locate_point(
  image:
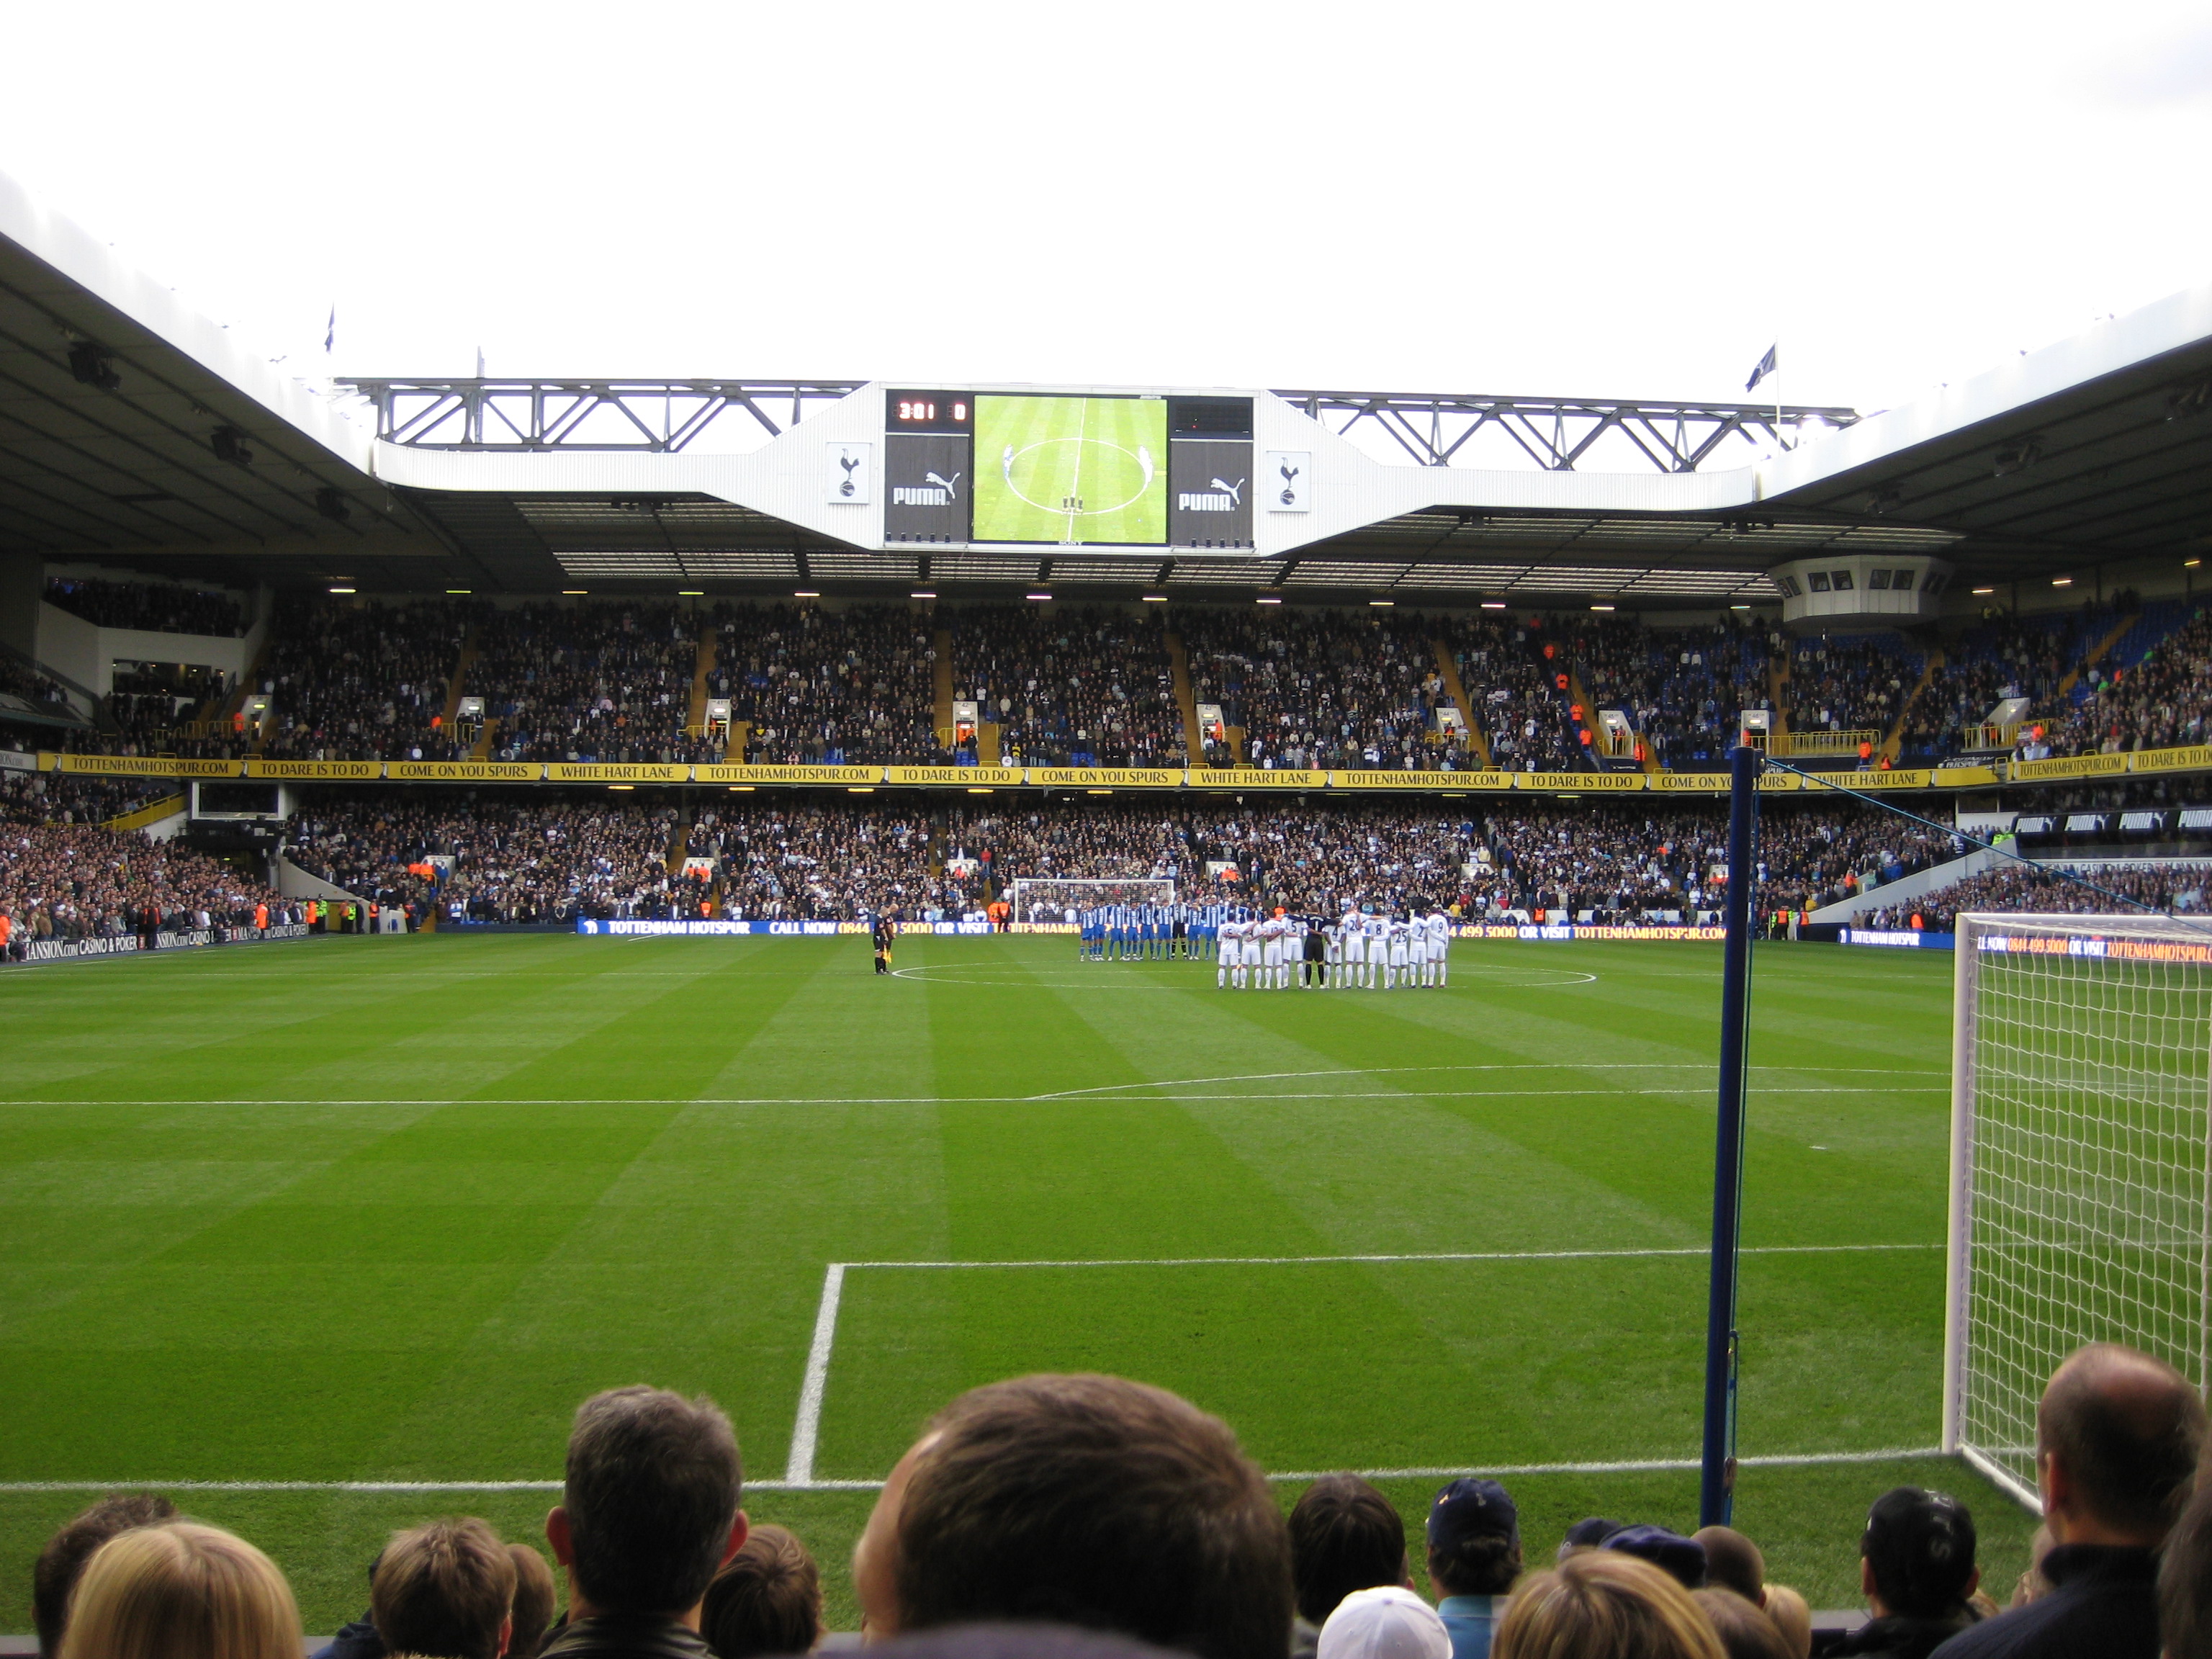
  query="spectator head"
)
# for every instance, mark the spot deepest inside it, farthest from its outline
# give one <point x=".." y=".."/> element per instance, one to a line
<point x="179" y="1590"/>
<point x="1475" y="1539"/>
<point x="767" y="1598"/>
<point x="2118" y="1437"/>
<point x="1917" y="1554"/>
<point x="2185" y="1582"/>
<point x="1793" y="1616"/>
<point x="1386" y="1621"/>
<point x="649" y="1507"/>
<point x="1733" y="1563"/>
<point x="1601" y="1604"/>
<point x="533" y="1602"/>
<point x="1589" y="1533"/>
<point x="1080" y="1500"/>
<point x="62" y="1562"/>
<point x="1745" y="1631"/>
<point x="1345" y="1536"/>
<point x="443" y="1591"/>
<point x="1682" y="1560"/>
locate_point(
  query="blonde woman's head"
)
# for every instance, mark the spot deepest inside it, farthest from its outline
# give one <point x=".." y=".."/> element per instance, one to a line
<point x="181" y="1591"/>
<point x="1602" y="1604"/>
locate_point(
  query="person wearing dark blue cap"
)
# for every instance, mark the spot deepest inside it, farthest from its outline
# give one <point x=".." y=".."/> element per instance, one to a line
<point x="1474" y="1556"/>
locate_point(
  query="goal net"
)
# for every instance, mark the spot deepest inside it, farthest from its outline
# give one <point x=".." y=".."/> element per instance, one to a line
<point x="1043" y="898"/>
<point x="2080" y="1163"/>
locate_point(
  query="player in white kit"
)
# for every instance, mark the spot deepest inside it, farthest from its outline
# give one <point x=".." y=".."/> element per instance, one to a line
<point x="1398" y="953"/>
<point x="1333" y="957"/>
<point x="1377" y="929"/>
<point x="1439" y="926"/>
<point x="1355" y="948"/>
<point x="1271" y="953"/>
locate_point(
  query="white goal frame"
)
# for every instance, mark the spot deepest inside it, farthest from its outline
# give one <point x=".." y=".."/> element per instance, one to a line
<point x="2057" y="1240"/>
<point x="1165" y="893"/>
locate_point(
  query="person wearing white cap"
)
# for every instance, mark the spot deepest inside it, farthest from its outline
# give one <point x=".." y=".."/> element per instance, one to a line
<point x="1387" y="1622"/>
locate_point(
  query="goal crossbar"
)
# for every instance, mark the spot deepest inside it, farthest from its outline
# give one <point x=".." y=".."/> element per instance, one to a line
<point x="2081" y="1180"/>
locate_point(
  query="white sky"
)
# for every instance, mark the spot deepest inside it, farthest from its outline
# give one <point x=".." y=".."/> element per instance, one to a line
<point x="1576" y="199"/>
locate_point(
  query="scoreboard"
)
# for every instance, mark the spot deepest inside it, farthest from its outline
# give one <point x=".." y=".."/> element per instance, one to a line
<point x="1024" y="469"/>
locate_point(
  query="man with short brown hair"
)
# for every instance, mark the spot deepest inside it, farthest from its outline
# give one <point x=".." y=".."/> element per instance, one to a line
<point x="1081" y="1500"/>
<point x="648" y="1512"/>
<point x="2118" y="1435"/>
<point x="444" y="1590"/>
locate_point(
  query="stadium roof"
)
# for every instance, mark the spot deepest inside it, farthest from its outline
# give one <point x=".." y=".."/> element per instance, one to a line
<point x="137" y="434"/>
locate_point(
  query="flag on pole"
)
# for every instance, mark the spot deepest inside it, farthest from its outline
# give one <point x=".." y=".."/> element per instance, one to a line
<point x="330" y="331"/>
<point x="1766" y="367"/>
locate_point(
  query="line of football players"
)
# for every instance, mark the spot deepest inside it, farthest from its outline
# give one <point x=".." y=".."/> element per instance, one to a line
<point x="1361" y="950"/>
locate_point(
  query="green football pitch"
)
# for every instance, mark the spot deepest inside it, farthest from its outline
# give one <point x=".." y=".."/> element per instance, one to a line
<point x="309" y="1222"/>
<point x="1071" y="470"/>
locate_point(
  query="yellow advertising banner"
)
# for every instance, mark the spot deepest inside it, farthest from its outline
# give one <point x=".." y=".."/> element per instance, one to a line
<point x="720" y="772"/>
<point x="1382" y="779"/>
<point x="1618" y="783"/>
<point x="2197" y="757"/>
<point x="323" y="771"/>
<point x="1964" y="777"/>
<point x="1106" y="777"/>
<point x="1253" y="777"/>
<point x="2074" y="766"/>
<point x="1895" y="778"/>
<point x="617" y="772"/>
<point x="145" y="766"/>
<point x="958" y="777"/>
<point x="1719" y="783"/>
<point x="465" y="771"/>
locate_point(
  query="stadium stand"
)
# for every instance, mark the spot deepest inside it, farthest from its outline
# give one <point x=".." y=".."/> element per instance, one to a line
<point x="1682" y="691"/>
<point x="65" y="877"/>
<point x="1521" y="695"/>
<point x="2157" y="697"/>
<point x="588" y="682"/>
<point x="826" y="687"/>
<point x="361" y="680"/>
<point x="1082" y="686"/>
<point x="150" y="607"/>
<point x="1318" y="688"/>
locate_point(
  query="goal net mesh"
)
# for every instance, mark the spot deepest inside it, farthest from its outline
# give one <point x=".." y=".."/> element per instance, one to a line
<point x="1039" y="898"/>
<point x="2082" y="1189"/>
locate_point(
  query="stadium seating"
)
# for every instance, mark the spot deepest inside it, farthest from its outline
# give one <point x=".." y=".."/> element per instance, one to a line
<point x="826" y="687"/>
<point x="1318" y="688"/>
<point x="150" y="607"/>
<point x="1075" y="687"/>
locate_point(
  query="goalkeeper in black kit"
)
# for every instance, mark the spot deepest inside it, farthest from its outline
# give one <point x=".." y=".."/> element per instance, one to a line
<point x="883" y="933"/>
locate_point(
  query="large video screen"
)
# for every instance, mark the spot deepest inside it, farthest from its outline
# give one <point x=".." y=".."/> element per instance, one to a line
<point x="1071" y="470"/>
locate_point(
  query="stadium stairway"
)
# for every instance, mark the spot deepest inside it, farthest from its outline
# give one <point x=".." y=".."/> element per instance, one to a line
<point x="702" y="665"/>
<point x="680" y="838"/>
<point x="459" y="682"/>
<point x="1478" y="740"/>
<point x="1778" y="694"/>
<point x="1194" y="745"/>
<point x="940" y="686"/>
<point x="1894" y="740"/>
<point x="147" y="816"/>
<point x="2096" y="655"/>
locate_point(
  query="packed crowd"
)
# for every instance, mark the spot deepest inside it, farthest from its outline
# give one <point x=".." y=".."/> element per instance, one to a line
<point x="1073" y="687"/>
<point x="62" y="876"/>
<point x="494" y="860"/>
<point x="1090" y="1517"/>
<point x="814" y="863"/>
<point x="19" y="679"/>
<point x="588" y="683"/>
<point x="153" y="607"/>
<point x="816" y="687"/>
<point x="1683" y="690"/>
<point x="1850" y="682"/>
<point x="2119" y="891"/>
<point x="1319" y="689"/>
<point x="1517" y="675"/>
<point x="2158" y="702"/>
<point x="360" y="680"/>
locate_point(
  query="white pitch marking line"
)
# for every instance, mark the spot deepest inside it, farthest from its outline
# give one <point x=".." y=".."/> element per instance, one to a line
<point x="1513" y="1065"/>
<point x="806" y="1426"/>
<point x="806" y="1423"/>
<point x="1438" y="1472"/>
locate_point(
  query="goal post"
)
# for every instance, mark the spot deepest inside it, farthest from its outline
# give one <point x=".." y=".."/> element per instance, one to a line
<point x="2081" y="1188"/>
<point x="1033" y="894"/>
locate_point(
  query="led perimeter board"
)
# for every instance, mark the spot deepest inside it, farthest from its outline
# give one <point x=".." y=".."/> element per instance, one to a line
<point x="1037" y="469"/>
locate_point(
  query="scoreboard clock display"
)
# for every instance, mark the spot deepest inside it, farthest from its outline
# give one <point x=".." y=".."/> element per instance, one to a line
<point x="929" y="412"/>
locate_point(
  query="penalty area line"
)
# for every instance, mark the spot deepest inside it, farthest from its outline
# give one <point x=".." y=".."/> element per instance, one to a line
<point x="806" y="1421"/>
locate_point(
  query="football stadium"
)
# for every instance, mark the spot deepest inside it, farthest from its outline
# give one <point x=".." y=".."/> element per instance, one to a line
<point x="1575" y="972"/>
